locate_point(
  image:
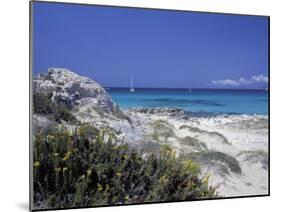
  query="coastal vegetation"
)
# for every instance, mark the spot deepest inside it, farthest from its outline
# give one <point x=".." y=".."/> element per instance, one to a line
<point x="89" y="152"/>
<point x="43" y="105"/>
<point x="91" y="167"/>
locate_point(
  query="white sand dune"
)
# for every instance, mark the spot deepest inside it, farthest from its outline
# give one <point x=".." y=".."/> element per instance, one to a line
<point x="232" y="148"/>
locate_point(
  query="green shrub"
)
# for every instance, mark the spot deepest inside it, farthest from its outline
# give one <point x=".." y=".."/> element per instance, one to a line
<point x="44" y="105"/>
<point x="90" y="167"/>
<point x="62" y="113"/>
<point x="212" y="157"/>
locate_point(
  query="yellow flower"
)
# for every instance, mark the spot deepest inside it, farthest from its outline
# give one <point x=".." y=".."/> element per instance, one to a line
<point x="187" y="164"/>
<point x="66" y="156"/>
<point x="83" y="177"/>
<point x="36" y="164"/>
<point x="206" y="179"/>
<point x="126" y="197"/>
<point x="99" y="187"/>
<point x="56" y="154"/>
<point x="64" y="169"/>
<point x="163" y="180"/>
<point x="125" y="157"/>
<point x="106" y="187"/>
<point x="173" y="153"/>
<point x="58" y="169"/>
<point x="191" y="167"/>
<point x="89" y="171"/>
<point x="118" y="174"/>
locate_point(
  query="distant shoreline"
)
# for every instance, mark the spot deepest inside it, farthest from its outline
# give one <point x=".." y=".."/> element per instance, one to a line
<point x="187" y="88"/>
<point x="181" y="113"/>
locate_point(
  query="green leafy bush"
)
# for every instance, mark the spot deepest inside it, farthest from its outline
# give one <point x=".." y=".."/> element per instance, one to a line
<point x="43" y="104"/>
<point x="90" y="167"/>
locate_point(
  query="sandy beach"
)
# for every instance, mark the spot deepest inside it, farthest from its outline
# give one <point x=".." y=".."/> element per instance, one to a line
<point x="233" y="149"/>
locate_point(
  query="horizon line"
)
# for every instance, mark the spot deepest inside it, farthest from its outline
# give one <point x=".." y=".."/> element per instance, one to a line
<point x="185" y="88"/>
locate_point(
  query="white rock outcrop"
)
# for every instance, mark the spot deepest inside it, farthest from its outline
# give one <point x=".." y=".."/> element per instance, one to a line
<point x="73" y="89"/>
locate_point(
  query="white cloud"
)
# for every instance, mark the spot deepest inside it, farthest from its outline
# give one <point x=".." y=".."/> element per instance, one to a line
<point x="241" y="81"/>
<point x="259" y="78"/>
<point x="225" y="82"/>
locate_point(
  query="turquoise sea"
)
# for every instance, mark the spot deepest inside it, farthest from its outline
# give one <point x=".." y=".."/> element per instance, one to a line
<point x="209" y="101"/>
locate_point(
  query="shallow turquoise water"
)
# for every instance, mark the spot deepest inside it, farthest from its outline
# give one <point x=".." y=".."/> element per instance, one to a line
<point x="198" y="100"/>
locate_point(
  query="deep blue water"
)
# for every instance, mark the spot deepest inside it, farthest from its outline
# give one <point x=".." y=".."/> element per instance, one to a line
<point x="198" y="100"/>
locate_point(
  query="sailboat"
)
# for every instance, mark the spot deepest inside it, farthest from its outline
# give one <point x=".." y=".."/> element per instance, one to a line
<point x="132" y="85"/>
<point x="189" y="90"/>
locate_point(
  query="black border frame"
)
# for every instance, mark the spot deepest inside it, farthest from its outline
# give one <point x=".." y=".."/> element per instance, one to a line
<point x="130" y="7"/>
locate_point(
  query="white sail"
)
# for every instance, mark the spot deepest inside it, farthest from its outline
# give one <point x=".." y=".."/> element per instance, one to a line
<point x="132" y="85"/>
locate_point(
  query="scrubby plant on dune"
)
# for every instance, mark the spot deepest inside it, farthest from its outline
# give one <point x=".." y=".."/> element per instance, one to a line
<point x="90" y="167"/>
<point x="44" y="105"/>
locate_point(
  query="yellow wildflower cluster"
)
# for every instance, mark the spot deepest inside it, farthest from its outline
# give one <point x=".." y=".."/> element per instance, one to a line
<point x="168" y="151"/>
<point x="66" y="155"/>
<point x="163" y="180"/>
<point x="206" y="179"/>
<point x="191" y="167"/>
<point x="89" y="171"/>
<point x="95" y="184"/>
<point x="99" y="187"/>
<point x="36" y="164"/>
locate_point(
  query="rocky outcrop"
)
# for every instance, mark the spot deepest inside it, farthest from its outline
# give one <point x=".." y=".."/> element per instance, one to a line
<point x="72" y="89"/>
<point x="85" y="98"/>
<point x="69" y="96"/>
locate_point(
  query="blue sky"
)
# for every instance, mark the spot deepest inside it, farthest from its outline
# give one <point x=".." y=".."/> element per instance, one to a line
<point x="159" y="48"/>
